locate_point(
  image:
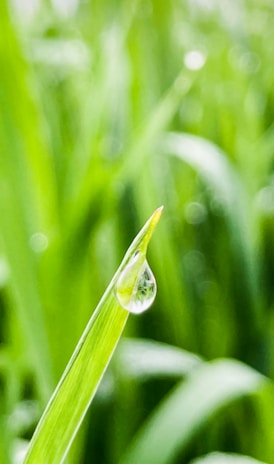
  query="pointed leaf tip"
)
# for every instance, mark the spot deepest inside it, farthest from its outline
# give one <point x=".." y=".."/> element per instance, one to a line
<point x="150" y="226"/>
<point x="158" y="212"/>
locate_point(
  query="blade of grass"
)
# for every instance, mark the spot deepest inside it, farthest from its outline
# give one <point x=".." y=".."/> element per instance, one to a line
<point x="25" y="176"/>
<point x="225" y="458"/>
<point x="212" y="164"/>
<point x="140" y="359"/>
<point x="73" y="395"/>
<point x="227" y="187"/>
<point x="186" y="409"/>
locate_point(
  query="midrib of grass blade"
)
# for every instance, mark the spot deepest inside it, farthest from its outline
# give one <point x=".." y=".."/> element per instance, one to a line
<point x="73" y="395"/>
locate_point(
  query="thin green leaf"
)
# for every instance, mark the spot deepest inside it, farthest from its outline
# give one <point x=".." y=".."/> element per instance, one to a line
<point x="188" y="407"/>
<point x="211" y="163"/>
<point x="25" y="176"/>
<point x="230" y="193"/>
<point x="144" y="359"/>
<point x="225" y="458"/>
<point x="73" y="395"/>
<point x="213" y="166"/>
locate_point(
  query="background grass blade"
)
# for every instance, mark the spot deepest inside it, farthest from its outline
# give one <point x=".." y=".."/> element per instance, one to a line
<point x="188" y="407"/>
<point x="225" y="458"/>
<point x="25" y="175"/>
<point x="63" y="416"/>
<point x="145" y="359"/>
<point x="226" y="187"/>
<point x="210" y="162"/>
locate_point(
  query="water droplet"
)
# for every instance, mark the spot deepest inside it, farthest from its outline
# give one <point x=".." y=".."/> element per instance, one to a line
<point x="136" y="287"/>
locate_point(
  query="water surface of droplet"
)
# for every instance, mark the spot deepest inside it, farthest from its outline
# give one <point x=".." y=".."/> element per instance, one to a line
<point x="136" y="291"/>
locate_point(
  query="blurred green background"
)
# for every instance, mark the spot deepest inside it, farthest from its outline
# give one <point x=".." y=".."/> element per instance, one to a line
<point x="109" y="109"/>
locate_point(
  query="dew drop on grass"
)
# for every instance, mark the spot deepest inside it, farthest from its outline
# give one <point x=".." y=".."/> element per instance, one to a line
<point x="136" y="291"/>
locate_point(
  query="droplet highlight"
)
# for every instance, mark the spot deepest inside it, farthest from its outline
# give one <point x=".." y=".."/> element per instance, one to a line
<point x="39" y="242"/>
<point x="136" y="287"/>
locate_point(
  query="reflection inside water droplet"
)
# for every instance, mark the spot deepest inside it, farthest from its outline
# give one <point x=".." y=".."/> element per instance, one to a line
<point x="136" y="288"/>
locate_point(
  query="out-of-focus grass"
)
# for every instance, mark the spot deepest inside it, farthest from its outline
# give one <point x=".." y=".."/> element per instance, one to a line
<point x="89" y="93"/>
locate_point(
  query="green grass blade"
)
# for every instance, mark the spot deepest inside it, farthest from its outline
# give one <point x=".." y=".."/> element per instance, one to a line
<point x="73" y="395"/>
<point x="228" y="189"/>
<point x="25" y="176"/>
<point x="213" y="166"/>
<point x="208" y="389"/>
<point x="140" y="359"/>
<point x="225" y="458"/>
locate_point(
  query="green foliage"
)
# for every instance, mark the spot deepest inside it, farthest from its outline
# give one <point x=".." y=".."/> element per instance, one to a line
<point x="109" y="109"/>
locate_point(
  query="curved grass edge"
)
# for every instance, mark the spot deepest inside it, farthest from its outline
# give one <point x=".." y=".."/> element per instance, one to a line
<point x="225" y="458"/>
